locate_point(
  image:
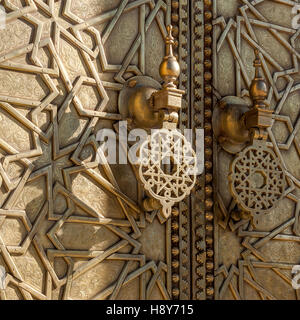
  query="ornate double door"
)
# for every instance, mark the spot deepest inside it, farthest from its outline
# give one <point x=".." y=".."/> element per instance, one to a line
<point x="72" y="227"/>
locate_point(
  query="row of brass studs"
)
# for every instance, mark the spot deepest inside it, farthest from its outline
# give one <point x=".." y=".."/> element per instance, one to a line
<point x="175" y="211"/>
<point x="208" y="105"/>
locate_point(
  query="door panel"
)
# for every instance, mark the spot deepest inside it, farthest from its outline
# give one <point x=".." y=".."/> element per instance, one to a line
<point x="73" y="229"/>
<point x="256" y="263"/>
<point x="70" y="228"/>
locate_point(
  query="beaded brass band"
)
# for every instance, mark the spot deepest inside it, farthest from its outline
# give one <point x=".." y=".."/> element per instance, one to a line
<point x="192" y="220"/>
<point x="208" y="105"/>
<point x="180" y="213"/>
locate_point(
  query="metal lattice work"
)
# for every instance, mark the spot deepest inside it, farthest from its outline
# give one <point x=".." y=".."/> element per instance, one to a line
<point x="257" y="264"/>
<point x="168" y="167"/>
<point x="257" y="180"/>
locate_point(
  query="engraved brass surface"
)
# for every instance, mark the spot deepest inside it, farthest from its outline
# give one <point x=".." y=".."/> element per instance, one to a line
<point x="256" y="264"/>
<point x="69" y="229"/>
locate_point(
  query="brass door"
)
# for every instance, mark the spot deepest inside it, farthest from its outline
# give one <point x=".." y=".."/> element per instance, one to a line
<point x="257" y="262"/>
<point x="73" y="229"/>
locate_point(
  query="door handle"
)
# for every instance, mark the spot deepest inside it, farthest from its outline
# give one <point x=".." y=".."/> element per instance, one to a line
<point x="256" y="176"/>
<point x="168" y="163"/>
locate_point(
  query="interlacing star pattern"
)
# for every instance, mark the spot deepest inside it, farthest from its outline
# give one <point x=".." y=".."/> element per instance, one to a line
<point x="52" y="24"/>
<point x="257" y="263"/>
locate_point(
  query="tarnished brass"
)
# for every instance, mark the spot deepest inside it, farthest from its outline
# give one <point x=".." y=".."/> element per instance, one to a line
<point x="150" y="204"/>
<point x="258" y="89"/>
<point x="259" y="117"/>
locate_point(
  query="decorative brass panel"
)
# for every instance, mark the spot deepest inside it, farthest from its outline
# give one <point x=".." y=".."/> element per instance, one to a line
<point x="256" y="263"/>
<point x="71" y="228"/>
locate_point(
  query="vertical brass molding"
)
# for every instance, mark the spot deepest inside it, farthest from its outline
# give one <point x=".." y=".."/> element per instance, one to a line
<point x="184" y="207"/>
<point x="175" y="211"/>
<point x="202" y="199"/>
<point x="209" y="168"/>
<point x="180" y="224"/>
<point x="197" y="116"/>
<point x="192" y="221"/>
<point x="215" y="152"/>
<point x="198" y="209"/>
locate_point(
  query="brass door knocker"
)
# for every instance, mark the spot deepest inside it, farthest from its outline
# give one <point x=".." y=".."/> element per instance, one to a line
<point x="168" y="163"/>
<point x="256" y="177"/>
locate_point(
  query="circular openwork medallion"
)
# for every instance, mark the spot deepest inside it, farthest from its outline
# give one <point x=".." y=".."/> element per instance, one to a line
<point x="257" y="180"/>
<point x="168" y="167"/>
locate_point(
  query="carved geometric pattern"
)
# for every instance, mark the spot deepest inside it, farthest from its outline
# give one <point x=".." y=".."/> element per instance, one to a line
<point x="167" y="147"/>
<point x="66" y="55"/>
<point x="256" y="264"/>
<point x="257" y="180"/>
